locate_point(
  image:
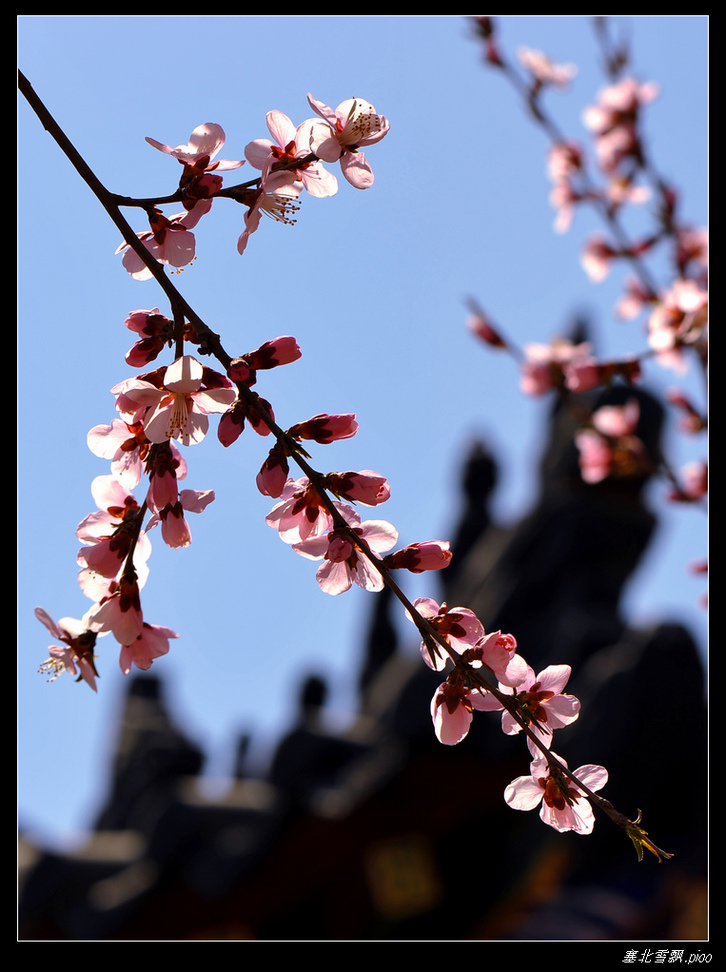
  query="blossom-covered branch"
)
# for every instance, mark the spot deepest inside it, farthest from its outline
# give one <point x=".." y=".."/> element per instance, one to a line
<point x="173" y="405"/>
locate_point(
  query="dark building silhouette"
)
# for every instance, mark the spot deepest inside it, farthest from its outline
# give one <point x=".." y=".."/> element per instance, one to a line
<point x="381" y="833"/>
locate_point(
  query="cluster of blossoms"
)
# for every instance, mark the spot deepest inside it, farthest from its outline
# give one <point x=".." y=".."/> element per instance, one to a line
<point x="290" y="163"/>
<point x="354" y="551"/>
<point x="677" y="312"/>
<point x="535" y="704"/>
<point x="169" y="407"/>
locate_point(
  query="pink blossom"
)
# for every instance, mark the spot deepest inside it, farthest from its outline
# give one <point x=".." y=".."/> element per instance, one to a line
<point x="563" y="197"/>
<point x="418" y="557"/>
<point x="273" y="475"/>
<point x="344" y="562"/>
<point x="597" y="258"/>
<point x="633" y="300"/>
<point x="110" y="532"/>
<point x="459" y="627"/>
<point x="540" y="701"/>
<point x="595" y="455"/>
<point x="291" y="145"/>
<point x="543" y="70"/>
<point x="614" y="121"/>
<point x="180" y="408"/>
<point x="620" y="190"/>
<point x="679" y="318"/>
<point x="610" y="447"/>
<point x="451" y="711"/>
<point x="157" y="332"/>
<point x="196" y="181"/>
<point x="273" y="198"/>
<point x="544" y="364"/>
<point x="692" y="247"/>
<point x="353" y="124"/>
<point x="280" y="351"/>
<point x="564" y="805"/>
<point x="497" y="652"/>
<point x="366" y="486"/>
<point x="617" y="420"/>
<point x="564" y="160"/>
<point x="325" y="428"/>
<point x="120" y="612"/>
<point x="165" y="467"/>
<point x="204" y="142"/>
<point x="232" y="423"/>
<point x="174" y="527"/>
<point x="693" y="485"/>
<point x="619" y="105"/>
<point x="150" y="644"/>
<point x="479" y="325"/>
<point x="78" y="640"/>
<point x="691" y="420"/>
<point x="125" y="445"/>
<point x="169" y="241"/>
<point x="301" y="513"/>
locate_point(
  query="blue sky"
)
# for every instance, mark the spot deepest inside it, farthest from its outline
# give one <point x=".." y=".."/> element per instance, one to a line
<point x="372" y="284"/>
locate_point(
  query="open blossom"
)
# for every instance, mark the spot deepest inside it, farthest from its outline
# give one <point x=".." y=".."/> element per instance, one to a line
<point x="587" y="373"/>
<point x="541" y="703"/>
<point x="204" y="143"/>
<point x="680" y="317"/>
<point x="610" y="447"/>
<point x="169" y="241"/>
<point x="614" y="121"/>
<point x="109" y="532"/>
<point x="353" y="125"/>
<point x="125" y="445"/>
<point x="459" y="627"/>
<point x="78" y="644"/>
<point x="619" y="105"/>
<point x="635" y="297"/>
<point x="273" y="198"/>
<point x="120" y="612"/>
<point x="597" y="257"/>
<point x="544" y="364"/>
<point x="174" y="527"/>
<point x="291" y="146"/>
<point x="301" y="513"/>
<point x="564" y="805"/>
<point x="150" y="644"/>
<point x="344" y="562"/>
<point x="180" y="408"/>
<point x="543" y="70"/>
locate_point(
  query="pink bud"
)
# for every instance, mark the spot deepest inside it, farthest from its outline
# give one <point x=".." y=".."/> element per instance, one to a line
<point x="483" y="329"/>
<point x="272" y="477"/>
<point x="418" y="557"/>
<point x="325" y="428"/>
<point x="365" y="487"/>
<point x="281" y="351"/>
